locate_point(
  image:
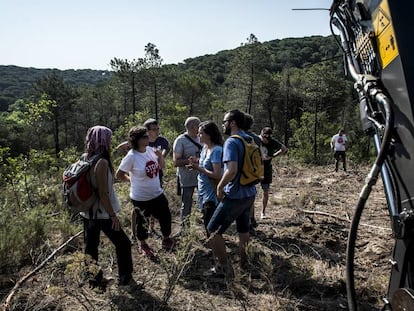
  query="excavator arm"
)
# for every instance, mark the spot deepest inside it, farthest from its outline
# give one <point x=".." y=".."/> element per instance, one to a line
<point x="377" y="40"/>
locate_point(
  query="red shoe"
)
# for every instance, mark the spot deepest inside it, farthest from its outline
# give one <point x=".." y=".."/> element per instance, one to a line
<point x="146" y="250"/>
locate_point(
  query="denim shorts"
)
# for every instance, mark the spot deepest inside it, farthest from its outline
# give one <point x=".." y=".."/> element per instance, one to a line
<point x="230" y="210"/>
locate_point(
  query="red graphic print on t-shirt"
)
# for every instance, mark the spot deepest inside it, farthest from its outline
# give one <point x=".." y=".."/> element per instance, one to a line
<point x="340" y="140"/>
<point x="152" y="169"/>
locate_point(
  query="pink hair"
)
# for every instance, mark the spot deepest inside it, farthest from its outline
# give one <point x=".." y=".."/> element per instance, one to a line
<point x="98" y="139"/>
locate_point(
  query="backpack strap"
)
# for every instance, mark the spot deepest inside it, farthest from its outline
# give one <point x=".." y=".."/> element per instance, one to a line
<point x="194" y="142"/>
<point x="241" y="138"/>
<point x="92" y="178"/>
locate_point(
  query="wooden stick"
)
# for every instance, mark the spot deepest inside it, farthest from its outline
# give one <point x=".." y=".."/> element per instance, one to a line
<point x="341" y="218"/>
<point x="19" y="283"/>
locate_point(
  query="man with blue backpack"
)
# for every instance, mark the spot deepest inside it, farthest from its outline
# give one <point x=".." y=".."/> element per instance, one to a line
<point x="235" y="199"/>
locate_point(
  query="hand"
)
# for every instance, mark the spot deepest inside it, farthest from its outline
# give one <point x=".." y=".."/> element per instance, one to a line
<point x="115" y="223"/>
<point x="220" y="193"/>
<point x="158" y="151"/>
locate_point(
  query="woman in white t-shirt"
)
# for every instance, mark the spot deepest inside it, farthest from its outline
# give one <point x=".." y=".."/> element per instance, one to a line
<point x="141" y="167"/>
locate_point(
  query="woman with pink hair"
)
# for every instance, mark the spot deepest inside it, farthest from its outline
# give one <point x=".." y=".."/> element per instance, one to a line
<point x="103" y="215"/>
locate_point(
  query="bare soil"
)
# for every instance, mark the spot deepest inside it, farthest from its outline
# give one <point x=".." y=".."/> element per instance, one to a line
<point x="297" y="256"/>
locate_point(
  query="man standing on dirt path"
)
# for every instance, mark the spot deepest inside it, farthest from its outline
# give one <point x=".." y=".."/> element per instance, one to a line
<point x="271" y="148"/>
<point x="235" y="199"/>
<point x="338" y="143"/>
<point x="185" y="146"/>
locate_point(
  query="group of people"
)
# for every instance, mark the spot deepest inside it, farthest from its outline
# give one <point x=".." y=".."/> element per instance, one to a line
<point x="204" y="162"/>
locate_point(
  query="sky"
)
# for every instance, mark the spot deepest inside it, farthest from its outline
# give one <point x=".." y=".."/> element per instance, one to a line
<point x="87" y="34"/>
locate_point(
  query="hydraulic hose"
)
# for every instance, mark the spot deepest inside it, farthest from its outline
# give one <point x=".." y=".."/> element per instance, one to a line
<point x="372" y="177"/>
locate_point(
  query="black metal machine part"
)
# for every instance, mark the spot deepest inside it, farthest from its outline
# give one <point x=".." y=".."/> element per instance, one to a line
<point x="376" y="37"/>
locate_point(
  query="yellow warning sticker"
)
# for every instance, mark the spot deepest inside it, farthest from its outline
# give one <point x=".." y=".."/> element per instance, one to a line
<point x="384" y="32"/>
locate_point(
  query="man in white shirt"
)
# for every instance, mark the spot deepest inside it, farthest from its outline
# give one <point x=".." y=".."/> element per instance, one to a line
<point x="338" y="143"/>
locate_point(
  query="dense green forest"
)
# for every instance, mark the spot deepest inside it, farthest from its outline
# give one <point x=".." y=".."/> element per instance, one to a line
<point x="294" y="85"/>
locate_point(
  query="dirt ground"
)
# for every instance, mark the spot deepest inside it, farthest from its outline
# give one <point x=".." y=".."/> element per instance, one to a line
<point x="297" y="256"/>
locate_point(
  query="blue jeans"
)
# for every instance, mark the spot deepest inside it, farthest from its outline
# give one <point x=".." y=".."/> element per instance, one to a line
<point x="186" y="202"/>
<point x="230" y="210"/>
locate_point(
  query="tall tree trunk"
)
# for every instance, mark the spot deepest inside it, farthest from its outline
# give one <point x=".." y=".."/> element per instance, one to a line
<point x="155" y="100"/>
<point x="315" y="133"/>
<point x="56" y="133"/>
<point x="134" y="105"/>
<point x="250" y="96"/>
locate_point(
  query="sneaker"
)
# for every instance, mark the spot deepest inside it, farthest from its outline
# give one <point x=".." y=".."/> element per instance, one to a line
<point x="215" y="272"/>
<point x="263" y="216"/>
<point x="168" y="244"/>
<point x="220" y="272"/>
<point x="146" y="250"/>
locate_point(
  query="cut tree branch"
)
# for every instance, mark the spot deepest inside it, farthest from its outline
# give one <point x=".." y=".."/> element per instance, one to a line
<point x="19" y="283"/>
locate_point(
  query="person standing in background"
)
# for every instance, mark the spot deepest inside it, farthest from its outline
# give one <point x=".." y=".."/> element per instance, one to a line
<point x="338" y="144"/>
<point x="248" y="123"/>
<point x="185" y="146"/>
<point x="271" y="148"/>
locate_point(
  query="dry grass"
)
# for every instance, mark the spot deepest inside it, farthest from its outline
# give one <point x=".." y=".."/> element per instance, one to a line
<point x="297" y="257"/>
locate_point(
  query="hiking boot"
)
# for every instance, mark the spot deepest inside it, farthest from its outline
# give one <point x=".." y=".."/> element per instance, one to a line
<point x="146" y="250"/>
<point x="168" y="244"/>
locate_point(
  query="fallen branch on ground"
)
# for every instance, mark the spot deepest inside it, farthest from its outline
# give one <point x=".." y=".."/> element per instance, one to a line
<point x="19" y="283"/>
<point x="341" y="218"/>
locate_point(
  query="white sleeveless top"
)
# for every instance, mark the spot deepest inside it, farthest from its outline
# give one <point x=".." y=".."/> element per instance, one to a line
<point x="99" y="211"/>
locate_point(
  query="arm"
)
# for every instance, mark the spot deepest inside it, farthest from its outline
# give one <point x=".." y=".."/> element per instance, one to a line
<point x="161" y="159"/>
<point x="123" y="148"/>
<point x="122" y="176"/>
<point x="101" y="174"/>
<point x="283" y="150"/>
<point x="178" y="161"/>
<point x="215" y="174"/>
<point x="228" y="176"/>
<point x="166" y="151"/>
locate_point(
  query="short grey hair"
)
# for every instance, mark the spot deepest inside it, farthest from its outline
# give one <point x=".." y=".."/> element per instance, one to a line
<point x="191" y="122"/>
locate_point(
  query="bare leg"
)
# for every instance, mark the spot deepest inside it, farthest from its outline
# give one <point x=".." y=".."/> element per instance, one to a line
<point x="133" y="223"/>
<point x="218" y="247"/>
<point x="265" y="200"/>
<point x="243" y="241"/>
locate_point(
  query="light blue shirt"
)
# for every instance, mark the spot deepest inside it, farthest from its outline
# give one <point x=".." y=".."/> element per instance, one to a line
<point x="206" y="191"/>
